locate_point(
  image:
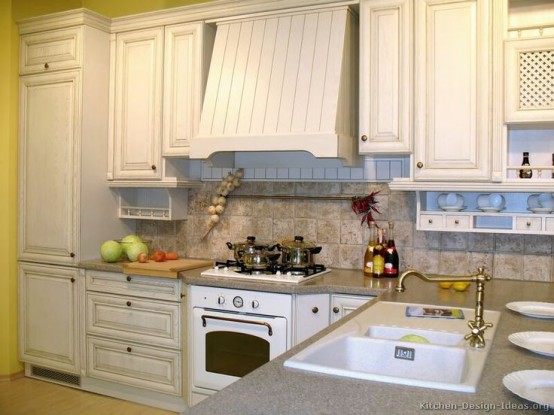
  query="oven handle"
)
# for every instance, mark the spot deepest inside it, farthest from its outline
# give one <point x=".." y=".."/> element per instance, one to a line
<point x="236" y="320"/>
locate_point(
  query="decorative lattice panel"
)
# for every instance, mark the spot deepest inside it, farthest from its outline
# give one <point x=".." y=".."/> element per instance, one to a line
<point x="536" y="80"/>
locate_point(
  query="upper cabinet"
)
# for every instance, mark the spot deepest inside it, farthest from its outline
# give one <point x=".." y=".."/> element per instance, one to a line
<point x="158" y="82"/>
<point x="386" y="76"/>
<point x="65" y="208"/>
<point x="453" y="94"/>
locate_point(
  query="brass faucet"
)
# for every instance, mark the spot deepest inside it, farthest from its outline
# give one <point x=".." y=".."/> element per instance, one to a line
<point x="477" y="326"/>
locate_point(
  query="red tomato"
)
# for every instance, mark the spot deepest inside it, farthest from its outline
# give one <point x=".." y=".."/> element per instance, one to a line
<point x="158" y="256"/>
<point x="171" y="255"/>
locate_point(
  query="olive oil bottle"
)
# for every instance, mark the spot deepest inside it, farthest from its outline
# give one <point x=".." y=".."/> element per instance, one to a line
<point x="378" y="259"/>
<point x="368" y="256"/>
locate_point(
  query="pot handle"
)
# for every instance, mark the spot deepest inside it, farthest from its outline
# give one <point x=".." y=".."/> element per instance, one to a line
<point x="316" y="250"/>
<point x="272" y="247"/>
<point x="230" y="246"/>
<point x="274" y="257"/>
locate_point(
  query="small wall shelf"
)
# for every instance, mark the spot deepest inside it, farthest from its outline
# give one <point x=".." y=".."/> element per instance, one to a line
<point x="153" y="203"/>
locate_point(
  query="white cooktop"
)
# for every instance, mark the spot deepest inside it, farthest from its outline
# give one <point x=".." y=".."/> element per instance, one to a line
<point x="288" y="277"/>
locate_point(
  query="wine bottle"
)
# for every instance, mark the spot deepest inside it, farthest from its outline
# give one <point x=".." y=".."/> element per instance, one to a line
<point x="525" y="173"/>
<point x="378" y="259"/>
<point x="390" y="255"/>
<point x="368" y="256"/>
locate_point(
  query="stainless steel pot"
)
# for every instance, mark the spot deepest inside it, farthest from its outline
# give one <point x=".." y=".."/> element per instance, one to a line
<point x="259" y="260"/>
<point x="250" y="246"/>
<point x="297" y="253"/>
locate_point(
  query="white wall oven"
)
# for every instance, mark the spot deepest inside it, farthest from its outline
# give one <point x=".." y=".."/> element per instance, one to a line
<point x="234" y="332"/>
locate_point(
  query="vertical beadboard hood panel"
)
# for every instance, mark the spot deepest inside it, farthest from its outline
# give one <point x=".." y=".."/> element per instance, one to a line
<point x="285" y="82"/>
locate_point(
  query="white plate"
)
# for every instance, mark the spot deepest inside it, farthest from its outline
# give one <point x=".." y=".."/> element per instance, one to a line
<point x="540" y="210"/>
<point x="490" y="209"/>
<point x="534" y="385"/>
<point x="453" y="208"/>
<point x="533" y="308"/>
<point x="541" y="342"/>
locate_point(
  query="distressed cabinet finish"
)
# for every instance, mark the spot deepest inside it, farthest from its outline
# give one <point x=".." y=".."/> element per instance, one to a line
<point x="452" y="90"/>
<point x="137" y="128"/>
<point x="386" y="32"/>
<point x="49" y="309"/>
<point x="343" y="304"/>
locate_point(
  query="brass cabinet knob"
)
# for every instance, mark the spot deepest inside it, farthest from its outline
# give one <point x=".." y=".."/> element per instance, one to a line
<point x="430" y="220"/>
<point x="315" y="310"/>
<point x="129" y="349"/>
<point x="419" y="165"/>
<point x="72" y="279"/>
<point x="128" y="304"/>
<point x="129" y="278"/>
<point x="336" y="310"/>
<point x="46" y="66"/>
<point x="72" y="254"/>
<point x="528" y="223"/>
<point x="364" y="138"/>
<point x="153" y="167"/>
<point x="457" y="222"/>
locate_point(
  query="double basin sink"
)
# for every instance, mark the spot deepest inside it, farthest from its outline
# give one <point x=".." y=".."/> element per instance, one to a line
<point x="408" y="344"/>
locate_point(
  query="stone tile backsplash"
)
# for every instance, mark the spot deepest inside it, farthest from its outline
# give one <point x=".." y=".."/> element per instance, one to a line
<point x="333" y="225"/>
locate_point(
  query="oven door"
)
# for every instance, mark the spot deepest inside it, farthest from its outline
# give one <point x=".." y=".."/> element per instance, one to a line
<point x="227" y="346"/>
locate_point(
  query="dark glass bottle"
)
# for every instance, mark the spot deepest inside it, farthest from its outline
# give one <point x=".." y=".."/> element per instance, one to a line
<point x="390" y="255"/>
<point x="525" y="173"/>
<point x="368" y="256"/>
<point x="553" y="165"/>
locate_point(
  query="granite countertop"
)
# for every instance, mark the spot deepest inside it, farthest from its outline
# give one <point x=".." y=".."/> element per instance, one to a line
<point x="275" y="389"/>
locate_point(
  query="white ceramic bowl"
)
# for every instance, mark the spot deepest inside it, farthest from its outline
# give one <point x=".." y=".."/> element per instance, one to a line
<point x="533" y="201"/>
<point x="546" y="200"/>
<point x="496" y="201"/>
<point x="483" y="201"/>
<point x="451" y="200"/>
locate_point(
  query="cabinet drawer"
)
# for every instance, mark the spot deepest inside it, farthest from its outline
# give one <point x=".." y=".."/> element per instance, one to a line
<point x="428" y="221"/>
<point x="131" y="364"/>
<point x="528" y="223"/>
<point x="549" y="224"/>
<point x="48" y="51"/>
<point x="149" y="287"/>
<point x="457" y="222"/>
<point x="128" y="318"/>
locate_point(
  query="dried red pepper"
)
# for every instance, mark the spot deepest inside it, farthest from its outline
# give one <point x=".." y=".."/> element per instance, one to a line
<point x="365" y="205"/>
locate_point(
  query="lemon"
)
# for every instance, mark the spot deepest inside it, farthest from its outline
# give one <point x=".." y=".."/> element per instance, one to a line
<point x="414" y="338"/>
<point x="445" y="285"/>
<point x="461" y="286"/>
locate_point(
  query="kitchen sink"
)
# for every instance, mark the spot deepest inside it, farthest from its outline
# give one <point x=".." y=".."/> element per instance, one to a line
<point x="370" y="347"/>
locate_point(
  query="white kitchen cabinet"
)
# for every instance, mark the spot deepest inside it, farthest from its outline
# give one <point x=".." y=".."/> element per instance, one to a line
<point x="159" y="76"/>
<point x="386" y="32"/>
<point x="528" y="68"/>
<point x="134" y="337"/>
<point x="49" y="310"/>
<point x="311" y="315"/>
<point x="137" y="106"/>
<point x="66" y="210"/>
<point x="453" y="94"/>
<point x="344" y="304"/>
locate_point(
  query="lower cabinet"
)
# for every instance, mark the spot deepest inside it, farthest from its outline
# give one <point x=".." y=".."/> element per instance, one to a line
<point x="49" y="309"/>
<point x="344" y="304"/>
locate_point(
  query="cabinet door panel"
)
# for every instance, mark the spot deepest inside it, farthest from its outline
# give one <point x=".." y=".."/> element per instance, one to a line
<point x="138" y="104"/>
<point x="312" y="315"/>
<point x="49" y="133"/>
<point x="49" y="317"/>
<point x="452" y="137"/>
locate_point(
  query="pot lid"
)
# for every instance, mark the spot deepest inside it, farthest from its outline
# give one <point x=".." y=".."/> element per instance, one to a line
<point x="297" y="242"/>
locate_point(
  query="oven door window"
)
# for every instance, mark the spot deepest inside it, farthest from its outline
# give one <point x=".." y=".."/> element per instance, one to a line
<point x="235" y="354"/>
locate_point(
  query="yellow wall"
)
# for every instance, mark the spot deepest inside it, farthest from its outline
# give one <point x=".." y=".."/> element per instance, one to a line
<point x="10" y="12"/>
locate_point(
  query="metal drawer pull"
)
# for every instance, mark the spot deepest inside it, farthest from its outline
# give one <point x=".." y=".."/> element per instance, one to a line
<point x="430" y="220"/>
<point x="528" y="223"/>
<point x="236" y="320"/>
<point x="457" y="222"/>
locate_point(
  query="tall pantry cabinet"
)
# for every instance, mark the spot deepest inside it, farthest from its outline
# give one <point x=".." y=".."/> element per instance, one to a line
<point x="66" y="210"/>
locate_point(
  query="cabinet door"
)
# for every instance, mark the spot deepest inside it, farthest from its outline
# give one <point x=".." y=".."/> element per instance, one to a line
<point x="312" y="315"/>
<point x="342" y="305"/>
<point x="385" y="76"/>
<point x="49" y="136"/>
<point x="49" y="316"/>
<point x="183" y="87"/>
<point x="528" y="81"/>
<point x="452" y="92"/>
<point x="138" y="104"/>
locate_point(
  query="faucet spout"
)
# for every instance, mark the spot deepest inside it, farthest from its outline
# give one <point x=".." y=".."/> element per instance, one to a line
<point x="477" y="326"/>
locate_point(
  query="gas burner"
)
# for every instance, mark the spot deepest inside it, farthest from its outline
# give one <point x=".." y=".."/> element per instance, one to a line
<point x="273" y="273"/>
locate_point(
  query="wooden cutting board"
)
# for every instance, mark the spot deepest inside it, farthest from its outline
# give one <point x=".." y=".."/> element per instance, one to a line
<point x="168" y="269"/>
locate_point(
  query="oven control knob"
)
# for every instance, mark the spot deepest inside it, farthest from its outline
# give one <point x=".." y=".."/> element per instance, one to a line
<point x="238" y="302"/>
<point x="255" y="304"/>
<point x="221" y="300"/>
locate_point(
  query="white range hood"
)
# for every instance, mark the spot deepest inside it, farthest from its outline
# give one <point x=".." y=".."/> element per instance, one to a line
<point x="283" y="82"/>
